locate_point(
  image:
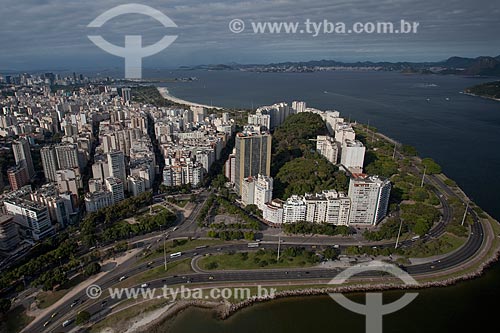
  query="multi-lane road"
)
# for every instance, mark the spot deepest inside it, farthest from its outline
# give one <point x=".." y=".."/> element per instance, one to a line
<point x="104" y="306"/>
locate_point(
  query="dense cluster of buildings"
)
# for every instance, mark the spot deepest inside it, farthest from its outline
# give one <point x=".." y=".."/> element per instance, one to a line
<point x="190" y="142"/>
<point x="248" y="168"/>
<point x="92" y="132"/>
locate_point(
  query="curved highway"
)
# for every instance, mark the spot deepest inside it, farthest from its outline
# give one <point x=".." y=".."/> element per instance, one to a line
<point x="104" y="306"/>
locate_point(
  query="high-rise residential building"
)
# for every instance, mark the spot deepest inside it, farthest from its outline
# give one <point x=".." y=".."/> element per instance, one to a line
<point x="22" y="155"/>
<point x="257" y="191"/>
<point x="294" y="210"/>
<point x="248" y="191"/>
<point x="343" y="132"/>
<point x="18" y="176"/>
<point x="298" y="106"/>
<point x="116" y="187"/>
<point x="136" y="185"/>
<point x="32" y="218"/>
<point x="263" y="191"/>
<point x="9" y="235"/>
<point x="230" y="166"/>
<point x="69" y="180"/>
<point x="326" y="146"/>
<point x="253" y="156"/>
<point x="260" y="120"/>
<point x="100" y="170"/>
<point x="97" y="200"/>
<point x="327" y="207"/>
<point x="67" y="156"/>
<point x="352" y="155"/>
<point x="273" y="212"/>
<point x="49" y="163"/>
<point x="116" y="165"/>
<point x="126" y="95"/>
<point x="369" y="199"/>
<point x="61" y="205"/>
<point x="277" y="113"/>
<point x="59" y="157"/>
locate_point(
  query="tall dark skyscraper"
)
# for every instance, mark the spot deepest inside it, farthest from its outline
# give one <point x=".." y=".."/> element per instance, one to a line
<point x="253" y="156"/>
<point x="22" y="154"/>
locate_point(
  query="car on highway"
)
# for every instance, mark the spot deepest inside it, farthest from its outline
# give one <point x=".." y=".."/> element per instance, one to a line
<point x="210" y="277"/>
<point x="122" y="278"/>
<point x="67" y="322"/>
<point x="54" y="314"/>
<point x="144" y="285"/>
<point x="74" y="303"/>
<point x="47" y="323"/>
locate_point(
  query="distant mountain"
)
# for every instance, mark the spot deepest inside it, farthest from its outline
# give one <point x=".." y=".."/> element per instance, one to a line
<point x="484" y="66"/>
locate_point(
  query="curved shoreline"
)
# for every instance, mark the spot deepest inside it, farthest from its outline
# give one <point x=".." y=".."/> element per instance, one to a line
<point x="224" y="310"/>
<point x="166" y="95"/>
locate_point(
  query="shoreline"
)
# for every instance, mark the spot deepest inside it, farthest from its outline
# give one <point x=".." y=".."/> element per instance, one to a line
<point x="166" y="95"/>
<point x="224" y="310"/>
<point x="481" y="96"/>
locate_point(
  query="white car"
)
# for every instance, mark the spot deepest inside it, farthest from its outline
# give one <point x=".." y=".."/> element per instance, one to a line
<point x="144" y="285"/>
<point x="122" y="278"/>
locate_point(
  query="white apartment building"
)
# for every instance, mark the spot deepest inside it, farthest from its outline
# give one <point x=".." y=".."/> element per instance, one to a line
<point x="32" y="218"/>
<point x="97" y="200"/>
<point x="294" y="210"/>
<point x="115" y="186"/>
<point x="352" y="155"/>
<point x="327" y="147"/>
<point x="369" y="199"/>
<point x="343" y="132"/>
<point x="273" y="211"/>
<point x="136" y="185"/>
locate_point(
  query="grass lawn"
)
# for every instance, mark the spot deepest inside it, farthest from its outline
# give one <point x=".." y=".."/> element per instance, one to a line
<point x="444" y="244"/>
<point x="174" y="268"/>
<point x="183" y="245"/>
<point x="47" y="298"/>
<point x="15" y="320"/>
<point x="254" y="260"/>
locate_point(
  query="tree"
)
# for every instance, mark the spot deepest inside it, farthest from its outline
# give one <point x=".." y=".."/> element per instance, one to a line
<point x="5" y="305"/>
<point x="82" y="317"/>
<point x="92" y="268"/>
<point x="419" y="194"/>
<point x="431" y="166"/>
<point x="331" y="253"/>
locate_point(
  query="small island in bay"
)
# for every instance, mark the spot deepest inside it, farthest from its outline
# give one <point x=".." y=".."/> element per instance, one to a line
<point x="487" y="90"/>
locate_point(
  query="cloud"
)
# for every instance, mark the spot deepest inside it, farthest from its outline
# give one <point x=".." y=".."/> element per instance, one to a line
<point x="53" y="33"/>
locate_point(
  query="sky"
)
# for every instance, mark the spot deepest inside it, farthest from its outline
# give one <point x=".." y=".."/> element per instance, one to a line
<point x="52" y="34"/>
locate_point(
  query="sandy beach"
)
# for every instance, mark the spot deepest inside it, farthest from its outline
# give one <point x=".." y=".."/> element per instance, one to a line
<point x="166" y="94"/>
